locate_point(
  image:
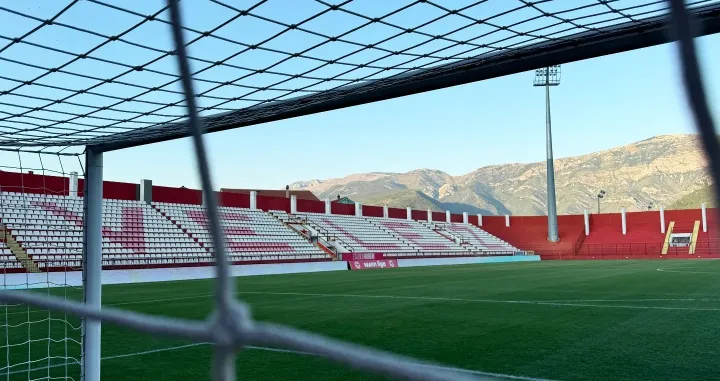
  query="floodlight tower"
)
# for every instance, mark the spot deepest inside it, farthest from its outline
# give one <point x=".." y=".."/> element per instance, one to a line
<point x="546" y="77"/>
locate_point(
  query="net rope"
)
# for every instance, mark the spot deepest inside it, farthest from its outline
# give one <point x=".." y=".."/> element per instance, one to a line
<point x="232" y="327"/>
<point x="41" y="344"/>
<point x="113" y="82"/>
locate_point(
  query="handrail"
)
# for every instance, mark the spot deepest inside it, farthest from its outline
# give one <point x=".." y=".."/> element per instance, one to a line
<point x="329" y="236"/>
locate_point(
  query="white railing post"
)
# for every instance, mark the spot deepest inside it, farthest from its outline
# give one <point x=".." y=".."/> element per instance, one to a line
<point x="587" y="222"/>
<point x="507" y="220"/>
<point x="253" y="200"/>
<point x="465" y="218"/>
<point x="479" y="219"/>
<point x="146" y="191"/>
<point x="624" y="221"/>
<point x="704" y="217"/>
<point x="73" y="184"/>
<point x="409" y="213"/>
<point x="293" y="204"/>
<point x="328" y="208"/>
<point x="429" y="215"/>
<point x="662" y="219"/>
<point x="386" y="212"/>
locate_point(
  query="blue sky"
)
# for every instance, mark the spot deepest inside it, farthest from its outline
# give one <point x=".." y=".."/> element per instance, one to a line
<point x="601" y="103"/>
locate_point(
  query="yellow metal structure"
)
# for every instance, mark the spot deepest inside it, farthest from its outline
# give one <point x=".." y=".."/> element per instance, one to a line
<point x="666" y="245"/>
<point x="694" y="237"/>
<point x="17" y="250"/>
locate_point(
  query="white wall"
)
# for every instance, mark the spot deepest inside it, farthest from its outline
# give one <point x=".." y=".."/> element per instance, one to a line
<point x="74" y="278"/>
<point x="465" y="260"/>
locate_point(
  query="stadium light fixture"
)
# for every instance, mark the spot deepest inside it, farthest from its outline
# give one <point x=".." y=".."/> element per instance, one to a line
<point x="600" y="195"/>
<point x="546" y="77"/>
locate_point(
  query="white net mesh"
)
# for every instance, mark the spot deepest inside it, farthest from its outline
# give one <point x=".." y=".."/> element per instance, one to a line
<point x="41" y="252"/>
<point x="231" y="327"/>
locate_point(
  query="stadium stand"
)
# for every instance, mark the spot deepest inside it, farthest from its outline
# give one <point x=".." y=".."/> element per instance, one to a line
<point x="8" y="258"/>
<point x="359" y="234"/>
<point x="645" y="237"/>
<point x="41" y="231"/>
<point x="49" y="229"/>
<point x="45" y="231"/>
<point x="399" y="238"/>
<point x="478" y="239"/>
<point x="252" y="235"/>
<point x="420" y="237"/>
<point x="530" y="233"/>
<point x="144" y="237"/>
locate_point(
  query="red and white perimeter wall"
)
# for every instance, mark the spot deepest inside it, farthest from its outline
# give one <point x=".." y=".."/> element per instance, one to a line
<point x="74" y="278"/>
<point x="605" y="239"/>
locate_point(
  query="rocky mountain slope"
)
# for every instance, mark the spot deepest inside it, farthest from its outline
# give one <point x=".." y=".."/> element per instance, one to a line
<point x="695" y="198"/>
<point x="402" y="198"/>
<point x="660" y="170"/>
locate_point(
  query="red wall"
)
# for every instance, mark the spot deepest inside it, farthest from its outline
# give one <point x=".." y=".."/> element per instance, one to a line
<point x="438" y="216"/>
<point x="344" y="209"/>
<point x="236" y="200"/>
<point x="419" y="215"/>
<point x="456" y="218"/>
<point x="176" y="195"/>
<point x="273" y="203"/>
<point x="119" y="191"/>
<point x="37" y="184"/>
<point x="310" y="206"/>
<point x="473" y="219"/>
<point x="372" y="211"/>
<point x="56" y="185"/>
<point x="530" y="233"/>
<point x="642" y="227"/>
<point x="113" y="190"/>
<point x="709" y="242"/>
<point x="397" y="213"/>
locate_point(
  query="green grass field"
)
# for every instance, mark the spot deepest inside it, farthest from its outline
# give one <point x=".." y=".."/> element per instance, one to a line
<point x="559" y="320"/>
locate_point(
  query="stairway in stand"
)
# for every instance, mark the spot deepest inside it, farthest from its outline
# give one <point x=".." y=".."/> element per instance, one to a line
<point x="17" y="250"/>
<point x="287" y="220"/>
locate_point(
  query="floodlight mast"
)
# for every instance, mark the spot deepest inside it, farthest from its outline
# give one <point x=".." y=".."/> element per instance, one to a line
<point x="546" y="77"/>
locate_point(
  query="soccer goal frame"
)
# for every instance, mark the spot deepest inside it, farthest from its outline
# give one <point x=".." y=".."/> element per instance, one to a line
<point x="92" y="264"/>
<point x="231" y="327"/>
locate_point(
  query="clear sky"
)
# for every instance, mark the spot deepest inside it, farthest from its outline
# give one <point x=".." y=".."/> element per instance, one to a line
<point x="601" y="103"/>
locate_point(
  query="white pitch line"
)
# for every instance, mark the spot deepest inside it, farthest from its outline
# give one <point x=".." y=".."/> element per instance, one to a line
<point x="151" y="351"/>
<point x="632" y="300"/>
<point x="524" y="302"/>
<point x="146" y="301"/>
<point x="557" y="303"/>
<point x="278" y="350"/>
<point x="687" y="272"/>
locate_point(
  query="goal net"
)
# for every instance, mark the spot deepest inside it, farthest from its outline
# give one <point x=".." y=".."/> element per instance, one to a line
<point x="66" y="84"/>
<point x="41" y="234"/>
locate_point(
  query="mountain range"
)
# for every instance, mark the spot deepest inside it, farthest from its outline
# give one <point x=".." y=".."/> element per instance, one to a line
<point x="662" y="170"/>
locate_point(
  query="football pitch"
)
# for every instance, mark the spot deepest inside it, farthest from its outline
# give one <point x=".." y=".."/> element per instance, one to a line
<point x="556" y="320"/>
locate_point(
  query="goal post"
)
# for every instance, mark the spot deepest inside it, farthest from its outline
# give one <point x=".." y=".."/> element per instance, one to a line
<point x="92" y="262"/>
